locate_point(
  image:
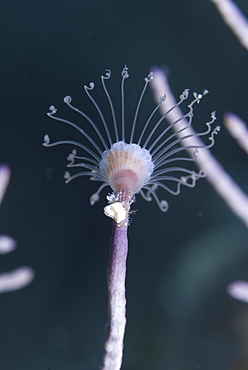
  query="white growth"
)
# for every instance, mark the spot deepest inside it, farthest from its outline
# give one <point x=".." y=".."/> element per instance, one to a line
<point x="116" y="211"/>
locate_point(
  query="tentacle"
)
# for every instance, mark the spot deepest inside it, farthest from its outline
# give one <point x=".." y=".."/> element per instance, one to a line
<point x="125" y="75"/>
<point x="148" y="79"/>
<point x="96" y="196"/>
<point x="67" y="101"/>
<point x="48" y="144"/>
<point x="183" y="97"/>
<point x="151" y="191"/>
<point x="87" y="90"/>
<point x="88" y="137"/>
<point x="107" y="77"/>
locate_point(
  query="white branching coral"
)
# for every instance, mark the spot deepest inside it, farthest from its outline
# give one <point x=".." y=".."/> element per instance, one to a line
<point x="22" y="276"/>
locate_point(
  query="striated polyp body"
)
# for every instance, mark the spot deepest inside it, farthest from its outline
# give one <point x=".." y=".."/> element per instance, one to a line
<point x="127" y="167"/>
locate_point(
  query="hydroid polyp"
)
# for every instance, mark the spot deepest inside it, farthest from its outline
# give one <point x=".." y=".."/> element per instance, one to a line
<point x="142" y="162"/>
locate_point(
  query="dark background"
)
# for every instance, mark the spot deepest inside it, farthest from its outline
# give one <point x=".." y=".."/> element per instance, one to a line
<point x="179" y="313"/>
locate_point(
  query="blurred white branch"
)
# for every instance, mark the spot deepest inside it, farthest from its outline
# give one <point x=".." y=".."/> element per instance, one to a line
<point x="224" y="185"/>
<point x="16" y="279"/>
<point x="239" y="290"/>
<point x="234" y="18"/>
<point x="7" y="244"/>
<point x="4" y="180"/>
<point x="22" y="276"/>
<point x="237" y="129"/>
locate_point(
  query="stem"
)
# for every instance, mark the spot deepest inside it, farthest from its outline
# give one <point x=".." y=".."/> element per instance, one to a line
<point x="116" y="298"/>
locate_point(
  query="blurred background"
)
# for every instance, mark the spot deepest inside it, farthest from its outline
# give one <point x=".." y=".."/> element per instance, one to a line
<point x="179" y="314"/>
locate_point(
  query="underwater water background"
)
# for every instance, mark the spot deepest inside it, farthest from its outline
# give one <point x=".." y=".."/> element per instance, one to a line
<point x="180" y="316"/>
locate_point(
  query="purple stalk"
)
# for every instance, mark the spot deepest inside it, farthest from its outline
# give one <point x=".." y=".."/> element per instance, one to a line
<point x="116" y="298"/>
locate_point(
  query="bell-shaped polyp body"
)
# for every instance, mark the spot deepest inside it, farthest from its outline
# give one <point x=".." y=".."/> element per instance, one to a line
<point x="127" y="168"/>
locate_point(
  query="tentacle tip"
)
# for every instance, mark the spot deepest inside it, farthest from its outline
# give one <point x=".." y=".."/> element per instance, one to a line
<point x="67" y="99"/>
<point x="185" y="94"/>
<point x="46" y="140"/>
<point x="162" y="98"/>
<point x="201" y="174"/>
<point x="94" y="198"/>
<point x="198" y="97"/>
<point x="195" y="153"/>
<point x="52" y="109"/>
<point x="150" y="77"/>
<point x="163" y="205"/>
<point x="148" y="197"/>
<point x="90" y="87"/>
<point x="213" y="115"/>
<point x="67" y="177"/>
<point x="70" y="159"/>
<point x="107" y="74"/>
<point x="124" y="72"/>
